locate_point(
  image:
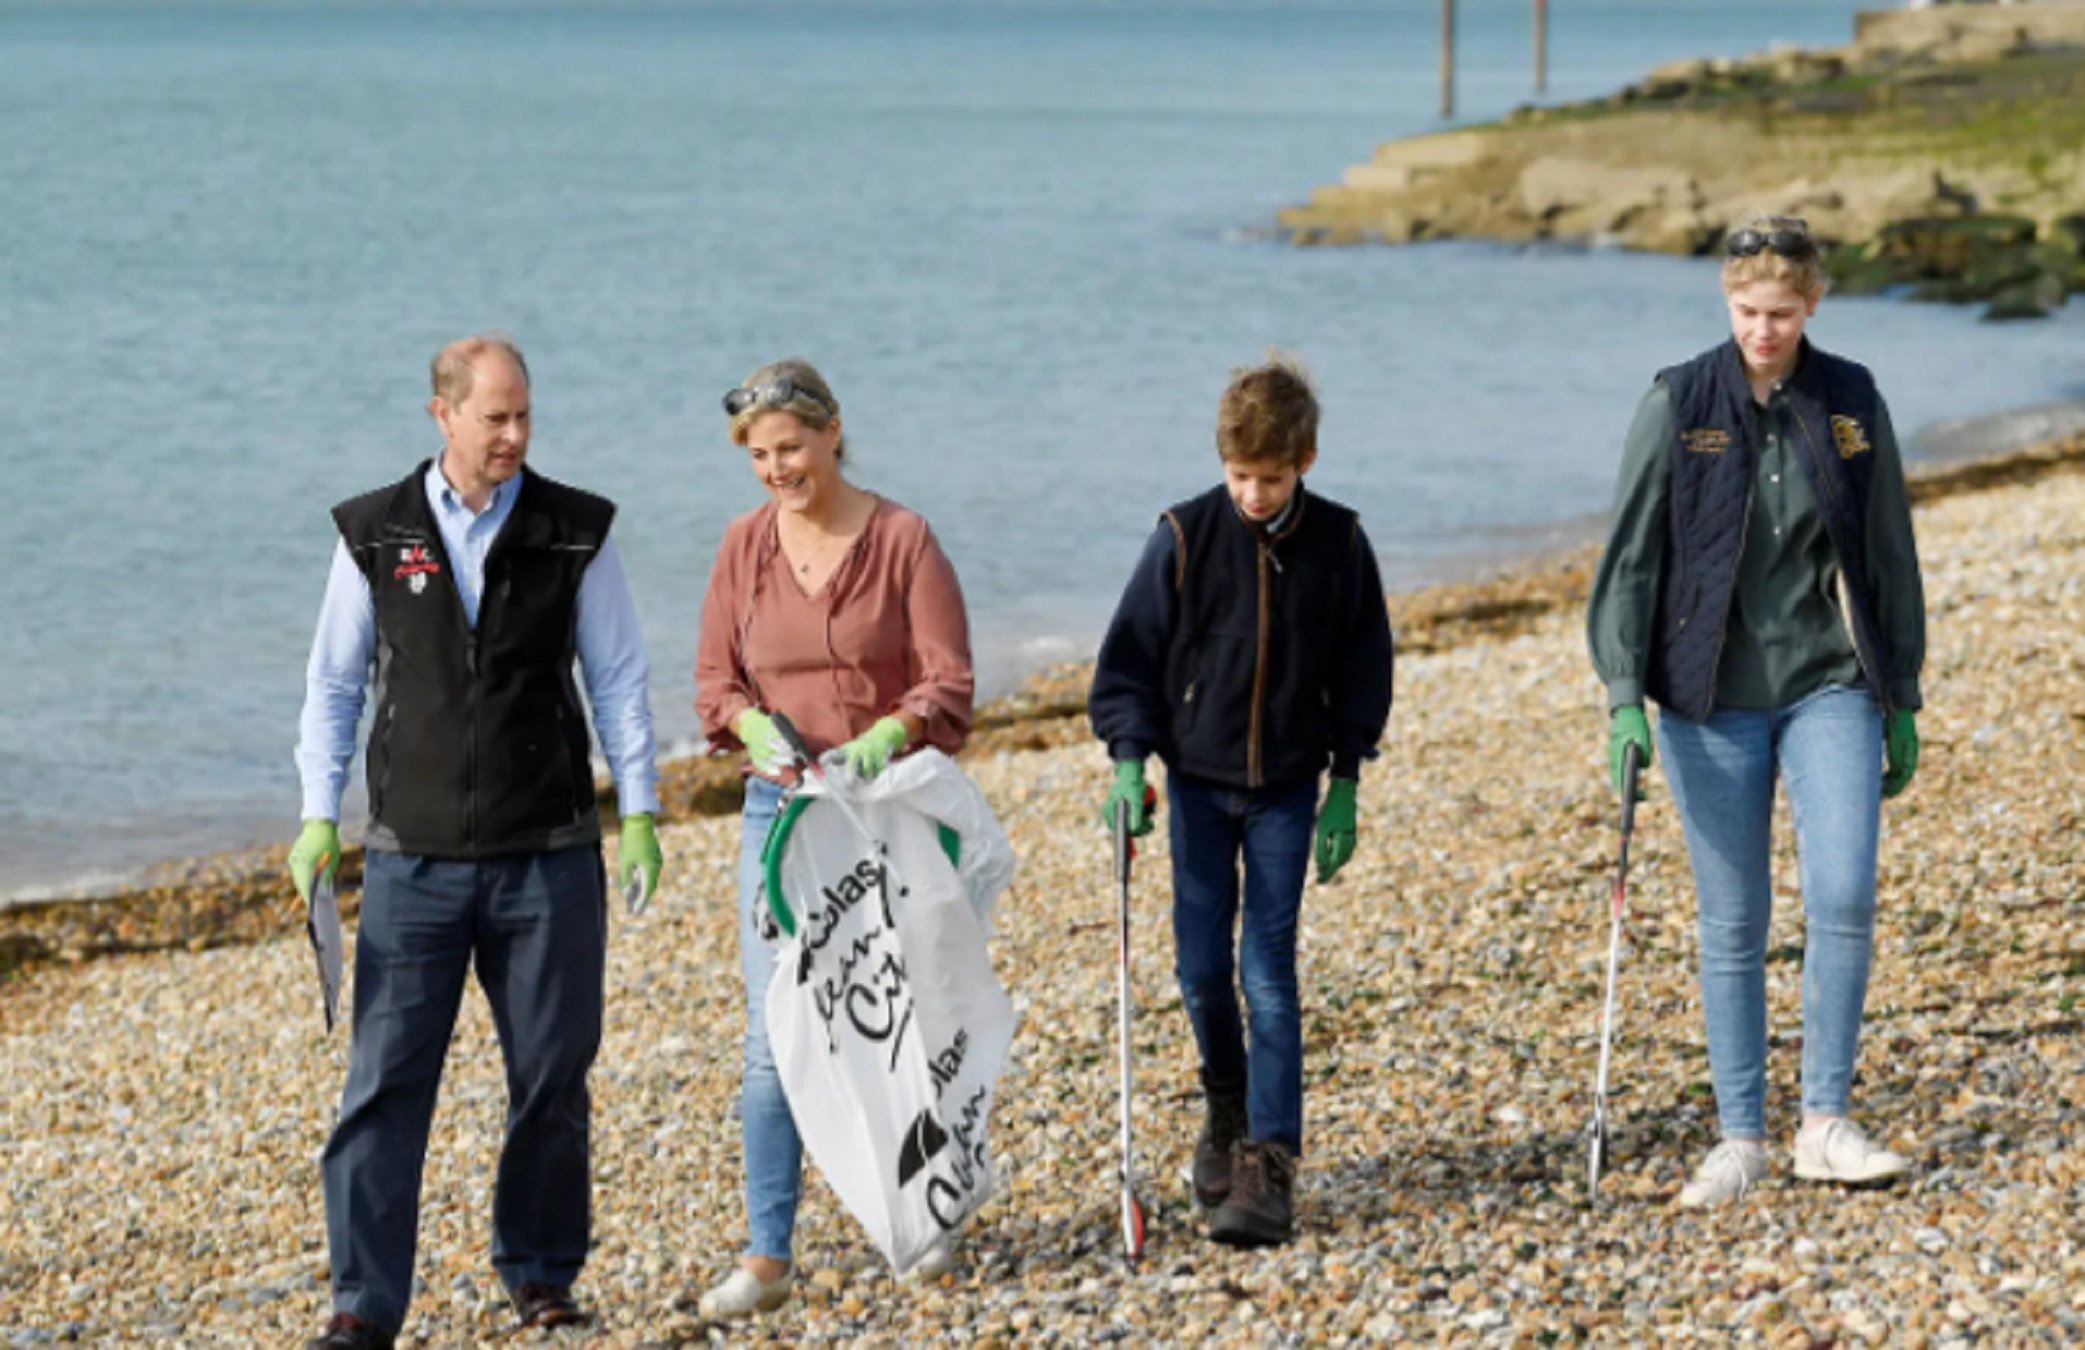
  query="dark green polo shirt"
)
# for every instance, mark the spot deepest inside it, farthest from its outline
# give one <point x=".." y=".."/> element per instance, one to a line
<point x="1787" y="636"/>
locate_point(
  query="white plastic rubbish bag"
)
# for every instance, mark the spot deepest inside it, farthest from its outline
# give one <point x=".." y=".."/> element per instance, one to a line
<point x="888" y="1026"/>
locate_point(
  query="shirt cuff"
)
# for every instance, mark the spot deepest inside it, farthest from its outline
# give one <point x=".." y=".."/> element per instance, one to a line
<point x="1904" y="695"/>
<point x="1624" y="692"/>
<point x="926" y="710"/>
<point x="1346" y="764"/>
<point x="636" y="799"/>
<point x="1127" y="749"/>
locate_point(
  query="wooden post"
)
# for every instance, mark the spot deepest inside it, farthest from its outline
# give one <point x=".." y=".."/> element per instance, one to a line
<point x="1541" y="46"/>
<point x="1447" y="58"/>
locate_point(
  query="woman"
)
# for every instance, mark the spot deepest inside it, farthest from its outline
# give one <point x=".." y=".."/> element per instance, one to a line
<point x="1761" y="583"/>
<point x="837" y="607"/>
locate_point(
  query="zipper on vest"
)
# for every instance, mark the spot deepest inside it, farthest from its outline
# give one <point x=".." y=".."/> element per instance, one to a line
<point x="470" y="749"/>
<point x="1870" y="669"/>
<point x="1744" y="536"/>
<point x="1259" y="674"/>
<point x="494" y="586"/>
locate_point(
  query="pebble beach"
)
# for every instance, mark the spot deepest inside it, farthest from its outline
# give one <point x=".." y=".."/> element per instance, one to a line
<point x="164" y="1109"/>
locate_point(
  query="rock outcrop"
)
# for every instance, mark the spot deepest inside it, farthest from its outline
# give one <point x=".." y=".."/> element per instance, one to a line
<point x="1944" y="149"/>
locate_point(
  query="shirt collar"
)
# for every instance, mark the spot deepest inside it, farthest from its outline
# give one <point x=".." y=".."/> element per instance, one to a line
<point x="1272" y="525"/>
<point x="440" y="492"/>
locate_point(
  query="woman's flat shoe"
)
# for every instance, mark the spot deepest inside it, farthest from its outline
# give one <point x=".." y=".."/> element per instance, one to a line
<point x="1836" y="1150"/>
<point x="742" y="1293"/>
<point x="938" y="1260"/>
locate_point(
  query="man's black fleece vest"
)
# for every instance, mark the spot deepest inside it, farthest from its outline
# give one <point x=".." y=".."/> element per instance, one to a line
<point x="1713" y="460"/>
<point x="1247" y="670"/>
<point x="479" y="743"/>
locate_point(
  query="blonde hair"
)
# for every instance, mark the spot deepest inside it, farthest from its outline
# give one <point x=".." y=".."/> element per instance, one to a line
<point x="454" y="367"/>
<point x="1804" y="273"/>
<point x="814" y="403"/>
<point x="1269" y="414"/>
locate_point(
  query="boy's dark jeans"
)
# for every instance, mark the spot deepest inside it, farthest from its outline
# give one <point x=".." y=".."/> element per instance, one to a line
<point x="1212" y="827"/>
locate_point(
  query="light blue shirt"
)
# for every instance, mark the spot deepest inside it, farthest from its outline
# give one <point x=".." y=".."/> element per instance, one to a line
<point x="343" y="651"/>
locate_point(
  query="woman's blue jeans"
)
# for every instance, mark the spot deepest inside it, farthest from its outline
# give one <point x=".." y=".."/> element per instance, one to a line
<point x="1826" y="750"/>
<point x="1212" y="828"/>
<point x="774" y="1150"/>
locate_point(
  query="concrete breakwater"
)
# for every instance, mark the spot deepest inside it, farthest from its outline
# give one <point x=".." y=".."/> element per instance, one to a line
<point x="1942" y="150"/>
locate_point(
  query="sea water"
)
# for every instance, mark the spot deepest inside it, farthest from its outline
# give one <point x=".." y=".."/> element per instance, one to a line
<point x="1027" y="241"/>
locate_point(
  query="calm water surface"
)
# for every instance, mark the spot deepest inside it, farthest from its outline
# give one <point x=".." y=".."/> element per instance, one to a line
<point x="1025" y="240"/>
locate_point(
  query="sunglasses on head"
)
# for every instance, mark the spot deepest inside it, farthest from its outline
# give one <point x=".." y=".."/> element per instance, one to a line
<point x="777" y="393"/>
<point x="1787" y="241"/>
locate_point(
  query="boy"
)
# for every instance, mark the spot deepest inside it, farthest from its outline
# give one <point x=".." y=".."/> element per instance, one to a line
<point x="1251" y="651"/>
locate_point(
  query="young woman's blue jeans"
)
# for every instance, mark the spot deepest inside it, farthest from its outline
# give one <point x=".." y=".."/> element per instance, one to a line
<point x="1211" y="827"/>
<point x="774" y="1150"/>
<point x="1826" y="749"/>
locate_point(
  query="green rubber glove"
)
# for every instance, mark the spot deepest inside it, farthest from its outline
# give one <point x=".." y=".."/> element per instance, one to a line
<point x="316" y="852"/>
<point x="1337" y="828"/>
<point x="870" y="751"/>
<point x="1129" y="787"/>
<point x="1900" y="746"/>
<point x="640" y="854"/>
<point x="764" y="745"/>
<point x="1629" y="727"/>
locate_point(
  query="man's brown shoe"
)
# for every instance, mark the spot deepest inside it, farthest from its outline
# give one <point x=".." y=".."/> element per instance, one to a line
<point x="349" y="1332"/>
<point x="1260" y="1210"/>
<point x="547" y="1305"/>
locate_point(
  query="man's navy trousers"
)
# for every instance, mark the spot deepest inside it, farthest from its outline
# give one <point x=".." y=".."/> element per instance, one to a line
<point x="534" y="925"/>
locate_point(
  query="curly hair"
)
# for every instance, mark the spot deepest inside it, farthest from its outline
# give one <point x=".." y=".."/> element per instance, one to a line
<point x="1804" y="272"/>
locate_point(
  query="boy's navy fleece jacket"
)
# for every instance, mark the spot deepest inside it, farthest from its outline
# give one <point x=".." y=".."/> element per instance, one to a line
<point x="1248" y="655"/>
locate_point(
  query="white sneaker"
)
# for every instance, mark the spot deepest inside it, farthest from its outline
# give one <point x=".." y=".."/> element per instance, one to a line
<point x="1732" y="1168"/>
<point x="742" y="1293"/>
<point x="938" y="1260"/>
<point x="1836" y="1150"/>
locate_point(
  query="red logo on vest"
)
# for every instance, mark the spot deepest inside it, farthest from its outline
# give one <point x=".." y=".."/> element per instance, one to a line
<point x="414" y="564"/>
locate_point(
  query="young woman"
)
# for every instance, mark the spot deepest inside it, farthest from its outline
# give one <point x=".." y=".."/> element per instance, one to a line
<point x="1760" y="582"/>
<point x="838" y="608"/>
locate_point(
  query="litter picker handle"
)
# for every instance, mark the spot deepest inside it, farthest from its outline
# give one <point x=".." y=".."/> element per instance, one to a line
<point x="1632" y="764"/>
<point x="1125" y="843"/>
<point x="792" y="738"/>
<point x="1124" y="849"/>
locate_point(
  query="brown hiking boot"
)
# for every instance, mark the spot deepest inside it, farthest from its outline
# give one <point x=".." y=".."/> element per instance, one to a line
<point x="1261" y="1209"/>
<point x="1222" y="1126"/>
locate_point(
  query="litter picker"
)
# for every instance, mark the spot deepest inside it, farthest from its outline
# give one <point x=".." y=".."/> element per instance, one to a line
<point x="322" y="926"/>
<point x="637" y="895"/>
<point x="792" y="738"/>
<point x="1132" y="1206"/>
<point x="1598" y="1130"/>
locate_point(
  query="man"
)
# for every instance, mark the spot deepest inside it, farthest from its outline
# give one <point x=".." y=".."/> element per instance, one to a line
<point x="469" y="587"/>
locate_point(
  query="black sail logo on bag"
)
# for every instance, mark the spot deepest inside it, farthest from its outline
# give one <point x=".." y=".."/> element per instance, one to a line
<point x="923" y="1140"/>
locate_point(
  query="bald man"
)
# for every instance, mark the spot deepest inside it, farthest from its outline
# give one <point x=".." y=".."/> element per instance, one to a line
<point x="464" y="594"/>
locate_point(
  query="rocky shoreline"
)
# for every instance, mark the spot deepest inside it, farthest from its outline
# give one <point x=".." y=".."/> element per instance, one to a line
<point x="244" y="896"/>
<point x="165" y="1107"/>
<point x="1942" y="151"/>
